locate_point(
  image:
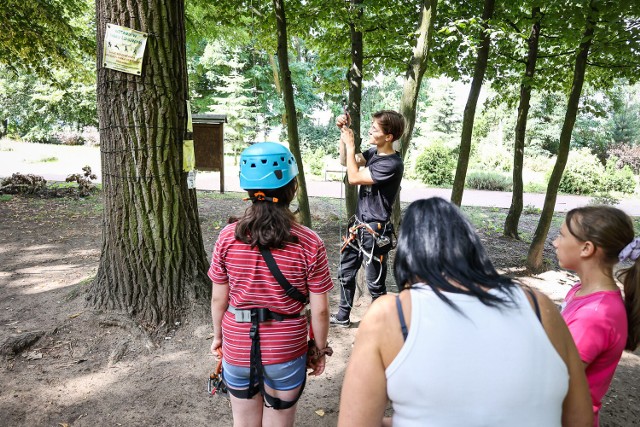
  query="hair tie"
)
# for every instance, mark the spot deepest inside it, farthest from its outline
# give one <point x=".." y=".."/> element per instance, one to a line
<point x="631" y="252"/>
<point x="259" y="196"/>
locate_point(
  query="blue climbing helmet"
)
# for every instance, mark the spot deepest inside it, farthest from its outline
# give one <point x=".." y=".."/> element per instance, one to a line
<point x="266" y="166"/>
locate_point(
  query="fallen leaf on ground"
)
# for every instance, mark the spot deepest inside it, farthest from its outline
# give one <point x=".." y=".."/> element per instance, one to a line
<point x="33" y="355"/>
<point x="73" y="316"/>
<point x="320" y="412"/>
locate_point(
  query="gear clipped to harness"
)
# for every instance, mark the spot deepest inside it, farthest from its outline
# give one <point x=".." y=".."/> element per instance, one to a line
<point x="216" y="384"/>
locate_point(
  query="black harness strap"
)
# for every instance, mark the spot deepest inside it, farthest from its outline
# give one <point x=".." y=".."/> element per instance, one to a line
<point x="288" y="289"/>
<point x="259" y="315"/>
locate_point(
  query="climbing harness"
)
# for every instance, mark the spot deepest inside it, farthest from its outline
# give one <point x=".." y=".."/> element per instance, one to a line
<point x="256" y="316"/>
<point x="381" y="240"/>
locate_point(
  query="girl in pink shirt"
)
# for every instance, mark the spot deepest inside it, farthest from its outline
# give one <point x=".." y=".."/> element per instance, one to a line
<point x="602" y="322"/>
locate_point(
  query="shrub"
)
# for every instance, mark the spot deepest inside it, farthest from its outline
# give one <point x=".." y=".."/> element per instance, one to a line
<point x="314" y="161"/>
<point x="583" y="174"/>
<point x="68" y="138"/>
<point x="493" y="181"/>
<point x="494" y="158"/>
<point x="627" y="155"/>
<point x="435" y="165"/>
<point x="535" y="187"/>
<point x="604" y="199"/>
<point x="621" y="180"/>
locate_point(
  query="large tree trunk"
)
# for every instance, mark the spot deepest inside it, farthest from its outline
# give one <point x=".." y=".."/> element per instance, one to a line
<point x="413" y="80"/>
<point x="290" y="108"/>
<point x="354" y="76"/>
<point x="515" y="210"/>
<point x="470" y="108"/>
<point x="536" y="250"/>
<point x="153" y="261"/>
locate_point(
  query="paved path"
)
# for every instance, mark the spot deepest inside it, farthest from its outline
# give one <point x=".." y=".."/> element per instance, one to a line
<point x="28" y="158"/>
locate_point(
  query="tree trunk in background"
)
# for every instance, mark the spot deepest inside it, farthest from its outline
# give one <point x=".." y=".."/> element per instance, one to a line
<point x="515" y="210"/>
<point x="153" y="263"/>
<point x="411" y="89"/>
<point x="535" y="256"/>
<point x="354" y="76"/>
<point x="470" y="108"/>
<point x="290" y="108"/>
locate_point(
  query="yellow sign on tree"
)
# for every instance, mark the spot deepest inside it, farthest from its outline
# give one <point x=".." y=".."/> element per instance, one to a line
<point x="124" y="49"/>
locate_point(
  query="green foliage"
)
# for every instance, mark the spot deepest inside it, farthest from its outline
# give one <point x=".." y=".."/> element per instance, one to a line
<point x="435" y="165"/>
<point x="535" y="187"/>
<point x="41" y="36"/>
<point x="583" y="173"/>
<point x="621" y="180"/>
<point x="318" y="138"/>
<point x="314" y="161"/>
<point x="48" y="159"/>
<point x="604" y="199"/>
<point x="545" y="123"/>
<point x="627" y="156"/>
<point x="489" y="180"/>
<point x="531" y="210"/>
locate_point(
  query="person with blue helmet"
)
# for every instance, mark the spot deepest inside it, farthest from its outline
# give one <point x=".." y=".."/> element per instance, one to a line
<point x="265" y="268"/>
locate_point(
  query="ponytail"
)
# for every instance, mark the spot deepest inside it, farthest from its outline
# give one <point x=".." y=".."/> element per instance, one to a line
<point x="631" y="283"/>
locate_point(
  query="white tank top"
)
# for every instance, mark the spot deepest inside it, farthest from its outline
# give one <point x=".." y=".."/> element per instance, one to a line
<point x="495" y="367"/>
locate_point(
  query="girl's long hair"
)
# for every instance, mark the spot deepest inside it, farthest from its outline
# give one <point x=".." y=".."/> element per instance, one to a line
<point x="438" y="246"/>
<point x="268" y="223"/>
<point x="610" y="229"/>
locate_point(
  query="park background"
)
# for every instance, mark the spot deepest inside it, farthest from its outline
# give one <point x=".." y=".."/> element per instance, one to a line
<point x="520" y="97"/>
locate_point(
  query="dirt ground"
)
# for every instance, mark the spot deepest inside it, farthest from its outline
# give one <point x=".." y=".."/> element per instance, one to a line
<point x="93" y="368"/>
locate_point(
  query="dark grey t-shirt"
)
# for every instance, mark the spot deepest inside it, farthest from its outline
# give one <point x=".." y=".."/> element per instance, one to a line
<point x="376" y="201"/>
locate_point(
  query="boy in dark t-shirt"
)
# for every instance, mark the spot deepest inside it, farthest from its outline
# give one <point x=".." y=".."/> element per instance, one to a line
<point x="378" y="171"/>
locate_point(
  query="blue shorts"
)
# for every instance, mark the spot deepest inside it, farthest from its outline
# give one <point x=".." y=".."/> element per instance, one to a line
<point x="282" y="376"/>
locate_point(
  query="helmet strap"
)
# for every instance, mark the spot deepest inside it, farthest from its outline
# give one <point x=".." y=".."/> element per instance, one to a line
<point x="259" y="196"/>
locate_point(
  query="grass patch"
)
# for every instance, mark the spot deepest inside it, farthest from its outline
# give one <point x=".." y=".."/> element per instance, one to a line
<point x="214" y="195"/>
<point x="5" y="197"/>
<point x="78" y="288"/>
<point x="46" y="160"/>
<point x="490" y="220"/>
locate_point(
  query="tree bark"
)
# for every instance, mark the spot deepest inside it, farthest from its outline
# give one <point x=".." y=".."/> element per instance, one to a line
<point x="515" y="210"/>
<point x="153" y="263"/>
<point x="290" y="108"/>
<point x="470" y="107"/>
<point x="354" y="77"/>
<point x="535" y="256"/>
<point x="413" y="81"/>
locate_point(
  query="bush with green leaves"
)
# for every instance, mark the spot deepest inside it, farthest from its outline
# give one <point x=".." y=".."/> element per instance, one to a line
<point x="583" y="173"/>
<point x="604" y="199"/>
<point x="492" y="181"/>
<point x="435" y="165"/>
<point x="314" y="161"/>
<point x="493" y="157"/>
<point x="616" y="179"/>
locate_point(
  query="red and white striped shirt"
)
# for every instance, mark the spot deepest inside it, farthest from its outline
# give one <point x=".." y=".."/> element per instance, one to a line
<point x="251" y="285"/>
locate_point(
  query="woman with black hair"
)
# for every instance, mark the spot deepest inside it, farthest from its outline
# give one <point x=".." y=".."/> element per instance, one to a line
<point x="265" y="268"/>
<point x="461" y="344"/>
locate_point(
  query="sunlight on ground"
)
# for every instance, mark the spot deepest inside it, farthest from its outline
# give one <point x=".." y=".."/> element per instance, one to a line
<point x="29" y="280"/>
<point x="547" y="282"/>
